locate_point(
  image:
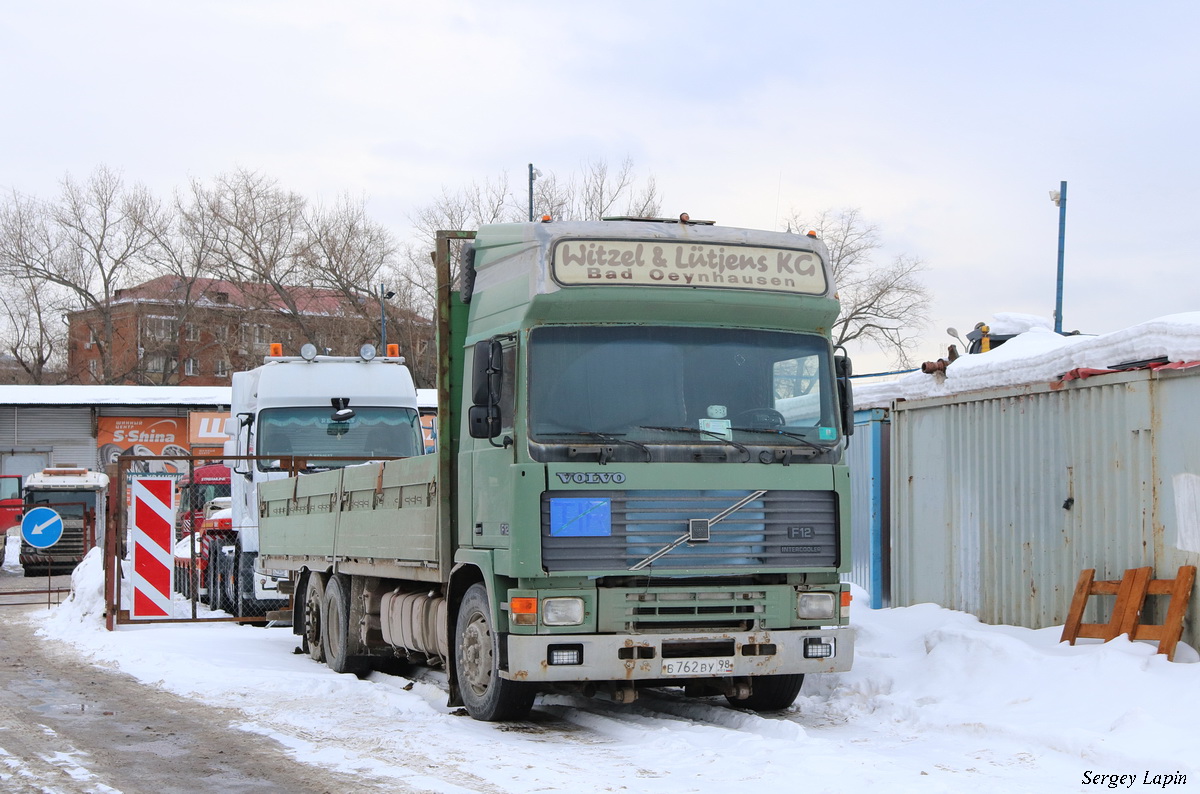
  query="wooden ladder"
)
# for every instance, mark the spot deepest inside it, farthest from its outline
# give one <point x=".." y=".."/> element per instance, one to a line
<point x="1131" y="591"/>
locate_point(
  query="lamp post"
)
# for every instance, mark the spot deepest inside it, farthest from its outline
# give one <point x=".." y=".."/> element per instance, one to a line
<point x="383" y="295"/>
<point x="1059" y="197"/>
<point x="533" y="174"/>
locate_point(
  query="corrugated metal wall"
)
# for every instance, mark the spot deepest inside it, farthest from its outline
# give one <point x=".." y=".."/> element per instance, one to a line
<point x="868" y="458"/>
<point x="65" y="432"/>
<point x="1001" y="498"/>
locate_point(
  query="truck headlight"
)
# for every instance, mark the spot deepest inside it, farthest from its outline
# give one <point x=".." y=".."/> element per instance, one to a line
<point x="562" y="611"/>
<point x="815" y="606"/>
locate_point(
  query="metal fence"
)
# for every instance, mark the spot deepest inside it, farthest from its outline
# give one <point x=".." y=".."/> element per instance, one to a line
<point x="1001" y="497"/>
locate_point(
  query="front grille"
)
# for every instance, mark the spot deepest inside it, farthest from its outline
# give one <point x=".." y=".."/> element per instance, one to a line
<point x="661" y="610"/>
<point x="781" y="529"/>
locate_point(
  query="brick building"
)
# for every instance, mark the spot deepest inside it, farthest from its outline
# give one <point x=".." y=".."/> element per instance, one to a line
<point x="170" y="332"/>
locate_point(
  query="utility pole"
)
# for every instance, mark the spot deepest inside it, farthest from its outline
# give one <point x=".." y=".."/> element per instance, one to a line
<point x="1059" y="197"/>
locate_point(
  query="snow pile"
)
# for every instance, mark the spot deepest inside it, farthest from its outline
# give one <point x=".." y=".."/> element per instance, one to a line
<point x="936" y="701"/>
<point x="1038" y="355"/>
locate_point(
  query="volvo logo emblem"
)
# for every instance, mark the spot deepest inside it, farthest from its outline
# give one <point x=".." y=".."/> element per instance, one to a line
<point x="590" y="478"/>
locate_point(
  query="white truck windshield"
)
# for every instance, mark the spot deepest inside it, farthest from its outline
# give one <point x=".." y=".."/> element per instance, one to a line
<point x="311" y="431"/>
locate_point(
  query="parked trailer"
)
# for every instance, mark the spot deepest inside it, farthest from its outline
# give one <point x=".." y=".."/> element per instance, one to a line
<point x="638" y="480"/>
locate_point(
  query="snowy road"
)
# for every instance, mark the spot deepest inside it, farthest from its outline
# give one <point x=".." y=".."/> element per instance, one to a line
<point x="936" y="702"/>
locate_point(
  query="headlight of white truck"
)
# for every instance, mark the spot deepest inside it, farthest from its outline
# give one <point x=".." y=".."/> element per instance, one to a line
<point x="562" y="611"/>
<point x="815" y="606"/>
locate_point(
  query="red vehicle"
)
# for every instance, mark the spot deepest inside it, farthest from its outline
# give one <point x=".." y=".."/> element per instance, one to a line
<point x="11" y="507"/>
<point x="204" y="484"/>
<point x="214" y="529"/>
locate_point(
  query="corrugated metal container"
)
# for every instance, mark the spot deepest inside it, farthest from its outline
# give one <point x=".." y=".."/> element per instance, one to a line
<point x="868" y="457"/>
<point x="1001" y="497"/>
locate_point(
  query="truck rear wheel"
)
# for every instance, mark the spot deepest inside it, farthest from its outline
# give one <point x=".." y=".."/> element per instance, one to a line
<point x="770" y="692"/>
<point x="314" y="615"/>
<point x="487" y="696"/>
<point x="335" y="628"/>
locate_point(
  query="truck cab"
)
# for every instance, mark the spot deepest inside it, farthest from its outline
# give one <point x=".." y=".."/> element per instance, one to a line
<point x="79" y="496"/>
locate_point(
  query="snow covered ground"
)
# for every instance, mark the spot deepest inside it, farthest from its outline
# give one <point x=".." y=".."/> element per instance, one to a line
<point x="936" y="701"/>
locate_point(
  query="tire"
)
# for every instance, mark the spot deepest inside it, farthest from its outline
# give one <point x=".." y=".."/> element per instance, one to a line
<point x="216" y="579"/>
<point x="314" y="616"/>
<point x="244" y="603"/>
<point x="770" y="692"/>
<point x="487" y="696"/>
<point x="336" y="639"/>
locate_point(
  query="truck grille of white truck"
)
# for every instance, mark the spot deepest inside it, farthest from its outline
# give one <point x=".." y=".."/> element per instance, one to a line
<point x="616" y="530"/>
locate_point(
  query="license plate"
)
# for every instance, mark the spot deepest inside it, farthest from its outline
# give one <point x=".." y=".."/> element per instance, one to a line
<point x="714" y="666"/>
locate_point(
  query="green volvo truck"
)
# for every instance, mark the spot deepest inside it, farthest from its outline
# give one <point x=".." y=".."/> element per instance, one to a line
<point x="638" y="480"/>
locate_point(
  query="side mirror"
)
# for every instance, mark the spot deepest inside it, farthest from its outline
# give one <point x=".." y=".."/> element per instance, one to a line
<point x="483" y="421"/>
<point x="842" y="370"/>
<point x="488" y="373"/>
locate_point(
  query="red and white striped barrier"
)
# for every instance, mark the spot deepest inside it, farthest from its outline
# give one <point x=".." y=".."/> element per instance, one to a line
<point x="152" y="520"/>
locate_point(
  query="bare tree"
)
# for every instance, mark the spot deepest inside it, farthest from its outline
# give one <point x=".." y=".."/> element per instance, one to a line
<point x="260" y="236"/>
<point x="33" y="332"/>
<point x="89" y="242"/>
<point x="593" y="193"/>
<point x="882" y="304"/>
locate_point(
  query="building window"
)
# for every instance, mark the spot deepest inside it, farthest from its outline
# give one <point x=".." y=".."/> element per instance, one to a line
<point x="191" y="367"/>
<point x="262" y="334"/>
<point x="94" y="368"/>
<point x="156" y="362"/>
<point x="191" y="332"/>
<point x="221" y="369"/>
<point x="157" y="327"/>
<point x="221" y="333"/>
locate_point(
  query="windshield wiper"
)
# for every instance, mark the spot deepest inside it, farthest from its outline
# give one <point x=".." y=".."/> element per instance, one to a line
<point x="611" y="439"/>
<point x="797" y="436"/>
<point x="699" y="432"/>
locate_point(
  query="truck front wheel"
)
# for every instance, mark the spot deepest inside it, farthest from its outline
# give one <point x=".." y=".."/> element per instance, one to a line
<point x="487" y="696"/>
<point x="770" y="692"/>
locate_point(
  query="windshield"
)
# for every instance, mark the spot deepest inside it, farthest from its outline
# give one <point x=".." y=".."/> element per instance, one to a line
<point x="69" y="504"/>
<point x="649" y="385"/>
<point x="311" y="431"/>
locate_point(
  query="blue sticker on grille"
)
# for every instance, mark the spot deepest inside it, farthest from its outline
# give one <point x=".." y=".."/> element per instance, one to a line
<point x="580" y="518"/>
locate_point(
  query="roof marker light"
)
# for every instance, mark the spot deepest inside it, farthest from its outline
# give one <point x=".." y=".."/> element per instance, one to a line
<point x="276" y="350"/>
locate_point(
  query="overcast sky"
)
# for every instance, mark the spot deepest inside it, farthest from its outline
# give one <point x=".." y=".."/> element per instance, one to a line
<point x="947" y="123"/>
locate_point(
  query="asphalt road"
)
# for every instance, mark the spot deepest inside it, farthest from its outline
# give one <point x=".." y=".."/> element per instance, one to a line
<point x="67" y="727"/>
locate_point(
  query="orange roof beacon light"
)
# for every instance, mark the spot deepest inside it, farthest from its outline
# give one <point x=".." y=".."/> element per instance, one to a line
<point x="812" y="233"/>
<point x="276" y="349"/>
<point x="546" y="219"/>
<point x="393" y="351"/>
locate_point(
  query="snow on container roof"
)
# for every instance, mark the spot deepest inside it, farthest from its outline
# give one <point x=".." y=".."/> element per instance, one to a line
<point x="1038" y="355"/>
<point x="115" y="395"/>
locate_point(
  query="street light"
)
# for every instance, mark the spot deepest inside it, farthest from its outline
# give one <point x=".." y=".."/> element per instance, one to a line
<point x="1059" y="197"/>
<point x="533" y="174"/>
<point x="383" y="317"/>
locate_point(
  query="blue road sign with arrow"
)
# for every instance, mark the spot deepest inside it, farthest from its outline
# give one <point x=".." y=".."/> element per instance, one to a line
<point x="41" y="527"/>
